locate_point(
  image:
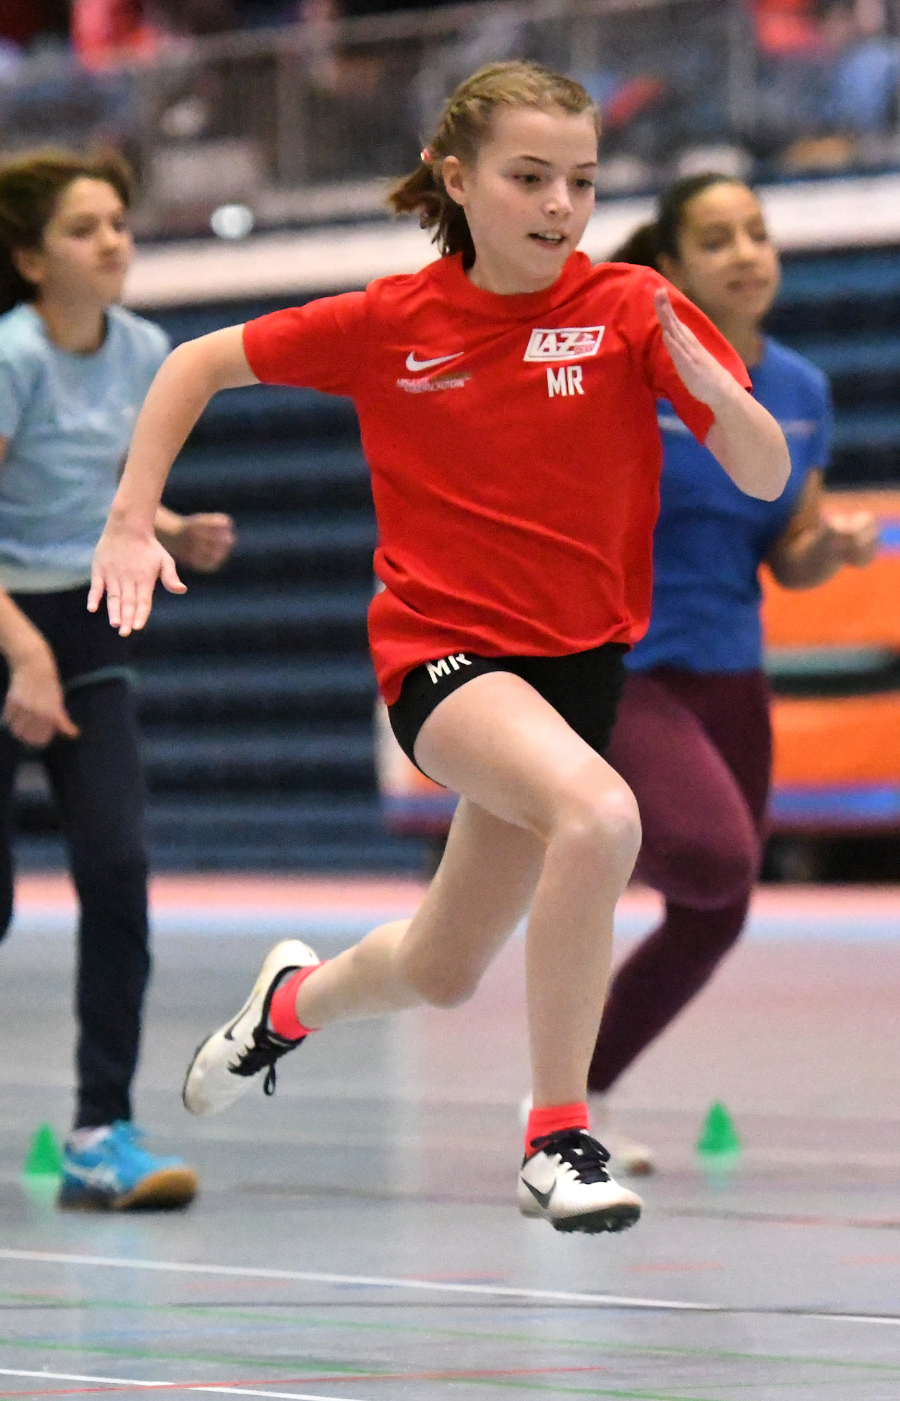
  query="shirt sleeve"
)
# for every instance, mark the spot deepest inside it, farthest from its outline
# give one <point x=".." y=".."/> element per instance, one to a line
<point x="317" y="346"/>
<point x="162" y="344"/>
<point x="13" y="398"/>
<point x="821" y="440"/>
<point x="659" y="370"/>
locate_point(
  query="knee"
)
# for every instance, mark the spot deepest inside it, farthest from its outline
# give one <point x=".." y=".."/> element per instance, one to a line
<point x="112" y="872"/>
<point x="712" y="875"/>
<point x="110" y="857"/>
<point x="601" y="830"/>
<point x="441" y="984"/>
<point x="731" y="873"/>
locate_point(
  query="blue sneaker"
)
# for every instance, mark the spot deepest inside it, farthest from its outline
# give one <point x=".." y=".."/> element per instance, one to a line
<point x="113" y="1172"/>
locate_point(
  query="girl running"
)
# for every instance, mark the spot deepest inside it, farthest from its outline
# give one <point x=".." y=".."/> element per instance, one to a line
<point x="74" y="368"/>
<point x="507" y="399"/>
<point x="692" y="738"/>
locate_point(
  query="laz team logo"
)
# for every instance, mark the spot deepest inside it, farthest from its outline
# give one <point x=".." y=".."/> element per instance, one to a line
<point x="565" y="343"/>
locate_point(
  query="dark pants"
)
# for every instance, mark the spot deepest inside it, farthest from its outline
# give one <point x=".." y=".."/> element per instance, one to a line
<point x="98" y="787"/>
<point x="696" y="751"/>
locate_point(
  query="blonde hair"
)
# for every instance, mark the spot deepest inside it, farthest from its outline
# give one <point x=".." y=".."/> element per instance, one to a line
<point x="463" y="127"/>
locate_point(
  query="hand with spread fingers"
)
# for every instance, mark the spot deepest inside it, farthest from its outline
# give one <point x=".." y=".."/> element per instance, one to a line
<point x="701" y="373"/>
<point x="127" y="564"/>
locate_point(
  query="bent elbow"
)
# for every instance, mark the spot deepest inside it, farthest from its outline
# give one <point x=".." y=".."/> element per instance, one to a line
<point x="771" y="491"/>
<point x="776" y="478"/>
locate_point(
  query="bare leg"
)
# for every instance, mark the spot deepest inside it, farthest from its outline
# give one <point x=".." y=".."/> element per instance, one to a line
<point x="480" y="892"/>
<point x="534" y="790"/>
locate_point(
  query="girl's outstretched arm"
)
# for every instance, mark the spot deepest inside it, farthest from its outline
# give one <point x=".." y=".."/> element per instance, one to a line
<point x="129" y="559"/>
<point x="744" y="439"/>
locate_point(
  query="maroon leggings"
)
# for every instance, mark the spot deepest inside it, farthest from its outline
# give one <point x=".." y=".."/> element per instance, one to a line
<point x="696" y="750"/>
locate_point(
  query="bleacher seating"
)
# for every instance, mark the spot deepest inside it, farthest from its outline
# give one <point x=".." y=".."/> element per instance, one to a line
<point x="842" y="309"/>
<point x="256" y="687"/>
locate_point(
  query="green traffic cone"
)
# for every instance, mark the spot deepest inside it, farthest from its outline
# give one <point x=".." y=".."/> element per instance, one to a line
<point x="44" y="1156"/>
<point x="719" y="1138"/>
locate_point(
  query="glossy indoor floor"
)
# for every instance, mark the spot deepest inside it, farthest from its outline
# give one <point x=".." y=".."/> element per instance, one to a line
<point x="356" y="1238"/>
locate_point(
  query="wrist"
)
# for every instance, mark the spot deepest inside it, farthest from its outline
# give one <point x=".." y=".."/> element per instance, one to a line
<point x="168" y="526"/>
<point x="727" y="397"/>
<point x="30" y="651"/>
<point x="131" y="520"/>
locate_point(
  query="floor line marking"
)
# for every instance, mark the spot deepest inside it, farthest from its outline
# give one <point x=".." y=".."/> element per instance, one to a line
<point x="366" y="1281"/>
<point x="119" y="1383"/>
<point x="169" y="1386"/>
<point x="249" y="1311"/>
<point x="477" y="1374"/>
<point x="479" y="1290"/>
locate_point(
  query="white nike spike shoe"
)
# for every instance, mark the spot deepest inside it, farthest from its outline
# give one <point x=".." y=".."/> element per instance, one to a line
<point x="566" y="1183"/>
<point x="227" y="1063"/>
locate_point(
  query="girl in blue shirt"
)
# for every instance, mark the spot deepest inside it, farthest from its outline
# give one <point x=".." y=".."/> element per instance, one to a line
<point x="74" y="369"/>
<point x="693" y="738"/>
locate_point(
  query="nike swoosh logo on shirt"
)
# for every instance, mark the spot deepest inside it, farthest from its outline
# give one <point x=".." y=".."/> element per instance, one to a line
<point x="542" y="1197"/>
<point x="413" y="364"/>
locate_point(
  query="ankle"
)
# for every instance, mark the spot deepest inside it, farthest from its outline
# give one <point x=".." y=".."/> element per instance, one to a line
<point x="283" y="1018"/>
<point x="555" y="1118"/>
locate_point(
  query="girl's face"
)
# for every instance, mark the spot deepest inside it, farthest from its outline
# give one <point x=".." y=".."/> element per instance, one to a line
<point x="726" y="261"/>
<point x="86" y="248"/>
<point x="528" y="196"/>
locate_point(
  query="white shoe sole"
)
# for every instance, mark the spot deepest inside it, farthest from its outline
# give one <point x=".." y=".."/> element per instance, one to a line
<point x="622" y="1210"/>
<point x="209" y="1085"/>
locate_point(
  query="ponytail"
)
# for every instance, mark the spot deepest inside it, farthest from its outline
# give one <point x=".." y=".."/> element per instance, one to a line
<point x="463" y="127"/>
<point x="641" y="248"/>
<point x="424" y="193"/>
<point x="645" y="246"/>
<point x="30" y="190"/>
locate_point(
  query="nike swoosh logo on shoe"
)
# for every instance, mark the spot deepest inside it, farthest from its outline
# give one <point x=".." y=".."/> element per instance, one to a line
<point x="413" y="364"/>
<point x="543" y="1198"/>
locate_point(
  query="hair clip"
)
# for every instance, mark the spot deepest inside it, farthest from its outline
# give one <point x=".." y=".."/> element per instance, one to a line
<point x="425" y="155"/>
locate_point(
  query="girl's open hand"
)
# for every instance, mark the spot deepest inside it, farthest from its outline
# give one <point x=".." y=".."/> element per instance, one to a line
<point x="127" y="564"/>
<point x="700" y="372"/>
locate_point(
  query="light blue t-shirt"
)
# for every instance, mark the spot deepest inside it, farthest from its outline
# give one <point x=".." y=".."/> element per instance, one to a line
<point x="710" y="538"/>
<point x="67" y="420"/>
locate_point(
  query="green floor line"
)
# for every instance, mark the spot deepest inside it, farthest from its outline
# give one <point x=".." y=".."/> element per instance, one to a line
<point x="184" y="1359"/>
<point x="616" y="1393"/>
<point x="360" y="1371"/>
<point x="356" y="1325"/>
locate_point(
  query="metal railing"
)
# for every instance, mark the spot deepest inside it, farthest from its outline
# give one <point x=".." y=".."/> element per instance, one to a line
<point x="312" y="121"/>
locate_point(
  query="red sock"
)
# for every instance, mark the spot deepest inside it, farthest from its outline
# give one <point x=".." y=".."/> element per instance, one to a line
<point x="282" y="1009"/>
<point x="553" y="1118"/>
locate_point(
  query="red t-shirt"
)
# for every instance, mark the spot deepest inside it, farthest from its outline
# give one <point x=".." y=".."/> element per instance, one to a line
<point x="513" y="446"/>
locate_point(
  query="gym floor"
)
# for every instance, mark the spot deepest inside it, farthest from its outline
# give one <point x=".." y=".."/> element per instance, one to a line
<point x="356" y="1237"/>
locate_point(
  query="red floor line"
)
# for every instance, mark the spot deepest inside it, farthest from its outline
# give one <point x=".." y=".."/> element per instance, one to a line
<point x="467" y="1374"/>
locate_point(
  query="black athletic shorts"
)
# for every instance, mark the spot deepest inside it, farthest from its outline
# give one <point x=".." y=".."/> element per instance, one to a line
<point x="584" y="688"/>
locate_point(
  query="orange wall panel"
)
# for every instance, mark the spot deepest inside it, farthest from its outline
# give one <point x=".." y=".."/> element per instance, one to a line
<point x="857" y="608"/>
<point x="850" y="740"/>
